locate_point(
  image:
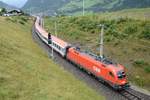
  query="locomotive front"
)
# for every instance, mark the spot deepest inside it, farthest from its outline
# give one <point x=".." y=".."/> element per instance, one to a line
<point x="120" y="77"/>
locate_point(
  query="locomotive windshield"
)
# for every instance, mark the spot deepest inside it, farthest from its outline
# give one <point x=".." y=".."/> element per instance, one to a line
<point x="121" y="74"/>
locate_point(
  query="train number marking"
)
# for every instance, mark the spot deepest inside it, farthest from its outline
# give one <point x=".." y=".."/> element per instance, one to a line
<point x="96" y="69"/>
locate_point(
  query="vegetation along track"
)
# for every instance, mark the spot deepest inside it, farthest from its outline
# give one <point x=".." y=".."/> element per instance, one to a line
<point x="101" y="88"/>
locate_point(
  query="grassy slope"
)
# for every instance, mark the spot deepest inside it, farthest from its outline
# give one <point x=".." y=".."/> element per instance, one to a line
<point x="75" y="6"/>
<point x="26" y="73"/>
<point x="139" y="14"/>
<point x="126" y="38"/>
<point x="142" y="14"/>
<point x="78" y="4"/>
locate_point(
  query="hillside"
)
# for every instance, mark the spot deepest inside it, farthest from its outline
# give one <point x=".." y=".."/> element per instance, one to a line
<point x="126" y="39"/>
<point x="66" y="7"/>
<point x="27" y="73"/>
<point x="91" y="6"/>
<point x="45" y="6"/>
<point x="4" y="5"/>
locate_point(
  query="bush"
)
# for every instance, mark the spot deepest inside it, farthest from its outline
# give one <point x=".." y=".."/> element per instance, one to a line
<point x="87" y="25"/>
<point x="13" y="20"/>
<point x="122" y="20"/>
<point x="21" y="22"/>
<point x="72" y="19"/>
<point x="146" y="35"/>
<point x="130" y="29"/>
<point x="139" y="80"/>
<point x="108" y="39"/>
<point x="8" y="19"/>
<point x="147" y="69"/>
<point x="143" y="65"/>
<point x="3" y="11"/>
<point x="75" y="34"/>
<point x="139" y="62"/>
<point x="24" y="19"/>
<point x="146" y="32"/>
<point x="115" y="34"/>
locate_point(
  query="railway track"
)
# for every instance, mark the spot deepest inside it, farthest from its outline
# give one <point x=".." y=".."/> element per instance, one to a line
<point x="88" y="79"/>
<point x="130" y="95"/>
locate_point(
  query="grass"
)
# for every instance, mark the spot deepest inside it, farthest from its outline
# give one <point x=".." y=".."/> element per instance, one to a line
<point x="142" y="14"/>
<point x="78" y="4"/>
<point x="75" y="7"/>
<point x="26" y="72"/>
<point x="137" y="14"/>
<point x="127" y="38"/>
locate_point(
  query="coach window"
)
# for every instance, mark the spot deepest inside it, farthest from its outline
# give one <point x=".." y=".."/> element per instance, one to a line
<point x="111" y="74"/>
<point x="63" y="49"/>
<point x="59" y="48"/>
<point x="53" y="44"/>
<point x="56" y="45"/>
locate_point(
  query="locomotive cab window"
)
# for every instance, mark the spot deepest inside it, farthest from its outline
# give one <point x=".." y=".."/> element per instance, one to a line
<point x="121" y="74"/>
<point x="111" y="74"/>
<point x="77" y="48"/>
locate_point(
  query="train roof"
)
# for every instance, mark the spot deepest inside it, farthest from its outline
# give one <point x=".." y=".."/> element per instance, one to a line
<point x="97" y="58"/>
<point x="59" y="41"/>
<point x="107" y="62"/>
<point x="101" y="59"/>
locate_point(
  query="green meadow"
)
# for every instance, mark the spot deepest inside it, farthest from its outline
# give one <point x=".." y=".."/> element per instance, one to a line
<point x="26" y="72"/>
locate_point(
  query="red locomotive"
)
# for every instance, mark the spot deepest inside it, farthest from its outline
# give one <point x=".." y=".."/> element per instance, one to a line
<point x="112" y="73"/>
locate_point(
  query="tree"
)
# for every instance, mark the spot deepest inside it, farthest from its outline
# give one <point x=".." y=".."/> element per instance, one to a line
<point x="2" y="11"/>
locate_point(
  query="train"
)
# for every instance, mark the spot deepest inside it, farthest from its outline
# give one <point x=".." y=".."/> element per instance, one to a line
<point x="103" y="69"/>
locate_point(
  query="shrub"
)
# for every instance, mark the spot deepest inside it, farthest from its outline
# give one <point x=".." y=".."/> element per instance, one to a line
<point x="13" y="20"/>
<point x="108" y="39"/>
<point x="24" y="19"/>
<point x="147" y="69"/>
<point x="139" y="80"/>
<point x="142" y="64"/>
<point x="8" y="19"/>
<point x="115" y="34"/>
<point x="21" y="22"/>
<point x="130" y="29"/>
<point x="87" y="25"/>
<point x="122" y="20"/>
<point x="139" y="62"/>
<point x="146" y="32"/>
<point x="72" y="19"/>
<point x="146" y="35"/>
